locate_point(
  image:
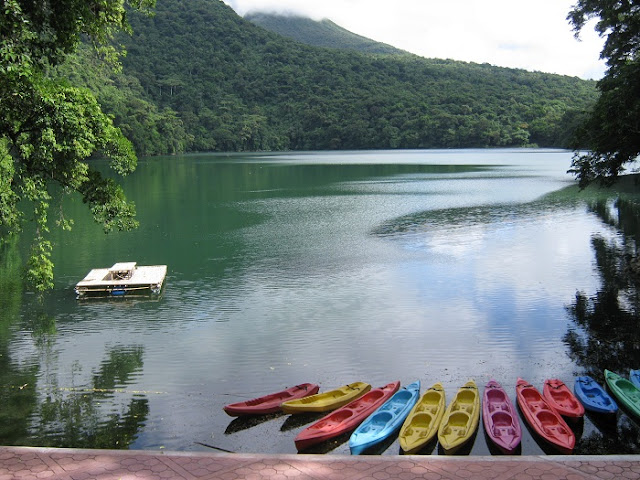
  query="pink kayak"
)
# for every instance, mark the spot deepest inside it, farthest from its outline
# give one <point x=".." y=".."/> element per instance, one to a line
<point x="270" y="403"/>
<point x="500" y="418"/>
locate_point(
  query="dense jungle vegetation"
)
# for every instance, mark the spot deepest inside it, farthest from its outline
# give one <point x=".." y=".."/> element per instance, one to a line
<point x="321" y="33"/>
<point x="198" y="77"/>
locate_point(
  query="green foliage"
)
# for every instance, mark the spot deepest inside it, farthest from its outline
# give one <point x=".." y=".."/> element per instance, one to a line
<point x="612" y="132"/>
<point x="150" y="130"/>
<point x="238" y="87"/>
<point x="48" y="128"/>
<point x="323" y="33"/>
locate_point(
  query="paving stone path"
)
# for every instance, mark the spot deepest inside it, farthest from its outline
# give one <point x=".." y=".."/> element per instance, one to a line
<point x="28" y="463"/>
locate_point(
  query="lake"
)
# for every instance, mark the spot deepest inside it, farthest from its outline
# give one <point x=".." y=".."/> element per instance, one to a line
<point x="322" y="267"/>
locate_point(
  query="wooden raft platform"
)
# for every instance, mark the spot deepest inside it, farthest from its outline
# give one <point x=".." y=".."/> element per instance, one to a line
<point x="122" y="278"/>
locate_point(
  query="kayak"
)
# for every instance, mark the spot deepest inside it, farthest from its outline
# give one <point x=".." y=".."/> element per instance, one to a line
<point x="500" y="418"/>
<point x="561" y="399"/>
<point x="386" y="420"/>
<point x="326" y="401"/>
<point x="593" y="396"/>
<point x="421" y="425"/>
<point x="345" y="418"/>
<point x="461" y="418"/>
<point x="625" y="391"/>
<point x="634" y="376"/>
<point x="543" y="418"/>
<point x="270" y="403"/>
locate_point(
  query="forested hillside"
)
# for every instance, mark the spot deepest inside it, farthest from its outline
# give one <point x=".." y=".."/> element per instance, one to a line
<point x="323" y="33"/>
<point x="198" y="77"/>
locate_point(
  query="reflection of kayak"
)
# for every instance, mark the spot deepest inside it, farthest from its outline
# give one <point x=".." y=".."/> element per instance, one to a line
<point x="461" y="418"/>
<point x="345" y="418"/>
<point x="270" y="403"/>
<point x="323" y="402"/>
<point x="500" y="418"/>
<point x="625" y="391"/>
<point x="593" y="396"/>
<point x="543" y="418"/>
<point x="424" y="418"/>
<point x="386" y="420"/>
<point x="561" y="399"/>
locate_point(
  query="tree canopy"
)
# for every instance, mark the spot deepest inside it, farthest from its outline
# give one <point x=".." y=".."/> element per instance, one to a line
<point x="236" y="87"/>
<point x="48" y="128"/>
<point x="612" y="132"/>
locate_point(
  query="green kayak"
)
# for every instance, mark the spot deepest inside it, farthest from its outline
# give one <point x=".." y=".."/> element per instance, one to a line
<point x="625" y="391"/>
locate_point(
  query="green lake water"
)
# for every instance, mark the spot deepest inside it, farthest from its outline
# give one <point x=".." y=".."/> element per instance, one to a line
<point x="327" y="268"/>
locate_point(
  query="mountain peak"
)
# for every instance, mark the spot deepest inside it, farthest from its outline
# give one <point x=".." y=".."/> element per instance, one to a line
<point x="319" y="33"/>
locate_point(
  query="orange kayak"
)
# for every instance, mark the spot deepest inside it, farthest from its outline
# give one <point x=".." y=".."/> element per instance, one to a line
<point x="543" y="418"/>
<point x="562" y="399"/>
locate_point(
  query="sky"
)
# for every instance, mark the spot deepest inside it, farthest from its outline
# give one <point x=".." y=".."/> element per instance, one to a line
<point x="529" y="34"/>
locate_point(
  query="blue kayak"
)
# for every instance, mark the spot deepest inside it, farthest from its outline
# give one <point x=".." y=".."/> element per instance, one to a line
<point x="386" y="420"/>
<point x="593" y="396"/>
<point x="634" y="376"/>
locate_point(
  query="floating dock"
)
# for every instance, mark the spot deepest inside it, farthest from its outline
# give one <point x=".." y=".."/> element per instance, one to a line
<point x="122" y="278"/>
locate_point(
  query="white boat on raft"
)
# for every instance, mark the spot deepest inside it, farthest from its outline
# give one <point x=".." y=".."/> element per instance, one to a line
<point x="122" y="278"/>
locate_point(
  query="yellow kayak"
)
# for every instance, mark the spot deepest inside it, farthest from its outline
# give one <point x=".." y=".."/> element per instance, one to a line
<point x="323" y="402"/>
<point x="422" y="423"/>
<point x="461" y="419"/>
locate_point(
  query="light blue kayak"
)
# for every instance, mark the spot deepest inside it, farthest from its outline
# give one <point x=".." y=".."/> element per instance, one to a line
<point x="593" y="396"/>
<point x="386" y="420"/>
<point x="634" y="376"/>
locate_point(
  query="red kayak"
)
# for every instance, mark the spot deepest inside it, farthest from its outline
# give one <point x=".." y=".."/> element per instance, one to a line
<point x="346" y="418"/>
<point x="270" y="403"/>
<point x="562" y="399"/>
<point x="500" y="418"/>
<point x="543" y="418"/>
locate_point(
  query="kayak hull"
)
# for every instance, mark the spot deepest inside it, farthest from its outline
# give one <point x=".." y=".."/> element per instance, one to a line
<point x="460" y="420"/>
<point x="326" y="401"/>
<point x="421" y="425"/>
<point x="593" y="396"/>
<point x="634" y="376"/>
<point x="386" y="420"/>
<point x="345" y="418"/>
<point x="543" y="418"/>
<point x="625" y="391"/>
<point x="562" y="399"/>
<point x="500" y="418"/>
<point x="270" y="403"/>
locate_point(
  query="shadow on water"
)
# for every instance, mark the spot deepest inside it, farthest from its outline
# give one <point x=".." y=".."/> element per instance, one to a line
<point x="249" y="421"/>
<point x="329" y="445"/>
<point x="605" y="333"/>
<point x="300" y="419"/>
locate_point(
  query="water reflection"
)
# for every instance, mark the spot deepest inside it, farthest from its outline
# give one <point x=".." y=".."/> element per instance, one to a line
<point x="17" y="382"/>
<point x="605" y="325"/>
<point x="80" y="415"/>
<point x="95" y="415"/>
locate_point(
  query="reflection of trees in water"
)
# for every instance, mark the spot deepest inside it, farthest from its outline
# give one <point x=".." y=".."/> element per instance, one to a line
<point x="17" y="382"/>
<point x="607" y="333"/>
<point x="92" y="416"/>
<point x="89" y="417"/>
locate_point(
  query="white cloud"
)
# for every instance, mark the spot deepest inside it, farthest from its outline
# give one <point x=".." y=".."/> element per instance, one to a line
<point x="529" y="34"/>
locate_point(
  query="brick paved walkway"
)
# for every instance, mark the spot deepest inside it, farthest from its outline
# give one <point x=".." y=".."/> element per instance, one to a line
<point x="69" y="464"/>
